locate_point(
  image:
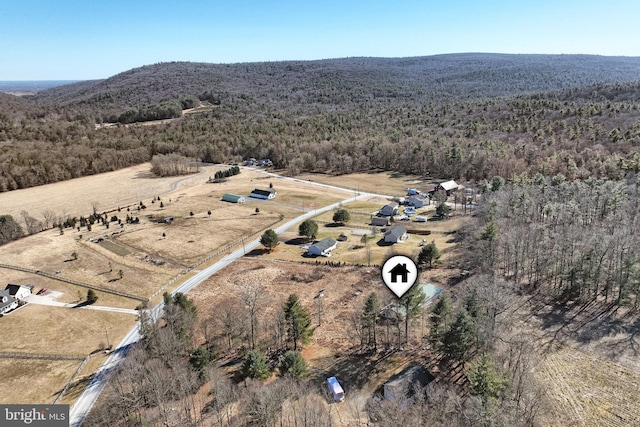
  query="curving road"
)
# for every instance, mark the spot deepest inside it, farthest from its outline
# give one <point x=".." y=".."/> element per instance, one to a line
<point x="85" y="402"/>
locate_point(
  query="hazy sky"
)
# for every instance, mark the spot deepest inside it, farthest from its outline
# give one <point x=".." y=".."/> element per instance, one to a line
<point x="87" y="39"/>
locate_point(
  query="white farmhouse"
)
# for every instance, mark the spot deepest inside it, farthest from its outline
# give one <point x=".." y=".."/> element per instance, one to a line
<point x="19" y="291"/>
<point x="323" y="247"/>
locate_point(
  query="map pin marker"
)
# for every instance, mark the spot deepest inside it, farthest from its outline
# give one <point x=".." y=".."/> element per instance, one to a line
<point x="399" y="273"/>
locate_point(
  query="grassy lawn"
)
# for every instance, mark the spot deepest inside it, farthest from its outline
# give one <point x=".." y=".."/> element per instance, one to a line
<point x="45" y="379"/>
<point x="59" y="330"/>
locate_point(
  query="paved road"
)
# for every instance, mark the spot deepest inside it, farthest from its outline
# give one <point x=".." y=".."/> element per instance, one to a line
<point x="85" y="402"/>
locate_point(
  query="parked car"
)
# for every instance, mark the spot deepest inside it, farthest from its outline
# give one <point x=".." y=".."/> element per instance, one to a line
<point x="409" y="210"/>
<point x="404" y="218"/>
<point x="420" y="219"/>
<point x="42" y="291"/>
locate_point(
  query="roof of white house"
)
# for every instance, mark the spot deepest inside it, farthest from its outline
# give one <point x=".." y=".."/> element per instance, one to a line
<point x="325" y="244"/>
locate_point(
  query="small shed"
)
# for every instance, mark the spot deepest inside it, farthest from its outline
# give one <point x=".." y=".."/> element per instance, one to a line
<point x="263" y="194"/>
<point x="396" y="234"/>
<point x="323" y="247"/>
<point x="335" y="389"/>
<point x="233" y="198"/>
<point x="390" y="209"/>
<point x="19" y="291"/>
<point x="380" y="221"/>
<point x="404" y="384"/>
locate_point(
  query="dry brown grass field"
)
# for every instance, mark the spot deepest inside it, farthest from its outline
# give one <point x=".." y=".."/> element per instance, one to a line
<point x="34" y="380"/>
<point x="389" y="183"/>
<point x="587" y="390"/>
<point x="58" y="330"/>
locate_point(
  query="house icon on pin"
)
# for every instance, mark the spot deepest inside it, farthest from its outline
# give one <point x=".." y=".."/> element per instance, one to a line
<point x="399" y="270"/>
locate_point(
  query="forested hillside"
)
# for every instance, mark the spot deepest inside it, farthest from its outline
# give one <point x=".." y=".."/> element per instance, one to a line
<point x="466" y="116"/>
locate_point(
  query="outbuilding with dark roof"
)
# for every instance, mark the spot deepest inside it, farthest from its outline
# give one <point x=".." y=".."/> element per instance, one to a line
<point x="263" y="194"/>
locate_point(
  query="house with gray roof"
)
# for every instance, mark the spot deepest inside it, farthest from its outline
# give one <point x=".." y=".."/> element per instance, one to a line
<point x="396" y="234"/>
<point x="418" y="201"/>
<point x="390" y="209"/>
<point x="323" y="247"/>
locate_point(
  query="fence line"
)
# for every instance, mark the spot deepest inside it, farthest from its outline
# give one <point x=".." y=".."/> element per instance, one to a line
<point x="217" y="252"/>
<point x="75" y="374"/>
<point x="74" y="282"/>
<point x="346" y="227"/>
<point x="41" y="356"/>
<point x="362" y="213"/>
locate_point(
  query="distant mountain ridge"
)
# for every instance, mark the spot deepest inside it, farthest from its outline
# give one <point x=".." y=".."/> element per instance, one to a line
<point x="348" y="80"/>
<point x="472" y="116"/>
<point x="31" y="86"/>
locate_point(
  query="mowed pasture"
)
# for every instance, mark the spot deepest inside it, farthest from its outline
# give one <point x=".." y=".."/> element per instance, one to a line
<point x="107" y="191"/>
<point x="27" y="380"/>
<point x="388" y="183"/>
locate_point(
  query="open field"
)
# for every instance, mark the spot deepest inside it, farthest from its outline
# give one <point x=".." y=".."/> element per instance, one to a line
<point x="57" y="330"/>
<point x="34" y="380"/>
<point x="108" y="191"/>
<point x="585" y="390"/>
<point x="388" y="183"/>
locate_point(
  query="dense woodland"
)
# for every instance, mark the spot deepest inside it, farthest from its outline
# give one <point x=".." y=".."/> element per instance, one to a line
<point x="464" y="116"/>
<point x="576" y="241"/>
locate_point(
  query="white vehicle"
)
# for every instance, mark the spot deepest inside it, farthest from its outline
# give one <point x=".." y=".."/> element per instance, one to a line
<point x="335" y="389"/>
<point x="420" y="219"/>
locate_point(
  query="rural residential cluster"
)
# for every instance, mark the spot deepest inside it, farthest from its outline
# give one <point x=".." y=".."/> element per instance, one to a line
<point x="190" y="244"/>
